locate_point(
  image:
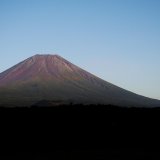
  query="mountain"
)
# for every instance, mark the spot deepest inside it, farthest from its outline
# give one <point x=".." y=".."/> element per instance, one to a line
<point x="52" y="79"/>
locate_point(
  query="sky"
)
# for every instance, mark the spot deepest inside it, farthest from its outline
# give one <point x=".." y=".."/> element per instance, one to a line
<point x="117" y="40"/>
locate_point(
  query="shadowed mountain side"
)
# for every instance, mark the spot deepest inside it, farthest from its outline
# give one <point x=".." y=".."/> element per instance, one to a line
<point x="52" y="78"/>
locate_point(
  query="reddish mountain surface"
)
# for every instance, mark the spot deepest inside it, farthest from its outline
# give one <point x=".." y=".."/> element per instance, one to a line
<point x="51" y="78"/>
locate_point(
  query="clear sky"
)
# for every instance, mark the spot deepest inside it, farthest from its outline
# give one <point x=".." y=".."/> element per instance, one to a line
<point x="117" y="40"/>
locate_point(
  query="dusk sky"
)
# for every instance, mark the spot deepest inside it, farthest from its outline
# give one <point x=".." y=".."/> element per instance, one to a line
<point x="117" y="40"/>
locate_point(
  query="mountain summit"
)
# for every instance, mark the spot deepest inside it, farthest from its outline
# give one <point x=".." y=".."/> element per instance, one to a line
<point x="38" y="66"/>
<point x="54" y="79"/>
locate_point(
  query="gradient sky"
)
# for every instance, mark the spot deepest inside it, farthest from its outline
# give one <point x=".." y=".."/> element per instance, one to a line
<point x="117" y="40"/>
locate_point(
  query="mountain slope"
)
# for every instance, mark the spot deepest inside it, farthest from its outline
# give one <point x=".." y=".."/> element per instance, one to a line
<point x="52" y="78"/>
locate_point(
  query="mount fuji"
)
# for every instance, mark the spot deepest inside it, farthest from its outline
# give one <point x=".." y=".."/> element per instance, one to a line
<point x="52" y="79"/>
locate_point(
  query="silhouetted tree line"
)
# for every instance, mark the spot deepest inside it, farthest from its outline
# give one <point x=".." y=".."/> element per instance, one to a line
<point x="81" y="107"/>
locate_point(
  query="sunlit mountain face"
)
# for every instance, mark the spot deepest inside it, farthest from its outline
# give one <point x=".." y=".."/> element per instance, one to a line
<point x="52" y="79"/>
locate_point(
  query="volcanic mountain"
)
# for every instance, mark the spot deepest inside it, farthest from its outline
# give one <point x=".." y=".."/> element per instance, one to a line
<point x="52" y="79"/>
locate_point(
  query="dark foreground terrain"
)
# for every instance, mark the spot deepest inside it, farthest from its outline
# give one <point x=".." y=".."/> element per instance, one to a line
<point x="79" y="132"/>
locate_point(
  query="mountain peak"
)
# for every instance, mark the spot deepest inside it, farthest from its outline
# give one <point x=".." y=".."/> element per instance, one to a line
<point x="48" y="59"/>
<point x="42" y="66"/>
<point x="45" y="56"/>
<point x="51" y="77"/>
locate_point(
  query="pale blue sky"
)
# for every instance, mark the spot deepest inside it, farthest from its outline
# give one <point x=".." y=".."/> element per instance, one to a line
<point x="117" y="40"/>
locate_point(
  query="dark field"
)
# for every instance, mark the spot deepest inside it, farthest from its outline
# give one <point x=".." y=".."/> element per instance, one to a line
<point x="80" y="132"/>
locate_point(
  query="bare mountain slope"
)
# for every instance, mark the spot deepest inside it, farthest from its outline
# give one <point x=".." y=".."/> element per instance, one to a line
<point x="52" y="78"/>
